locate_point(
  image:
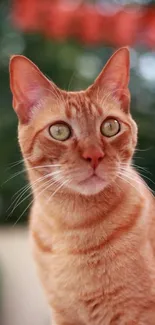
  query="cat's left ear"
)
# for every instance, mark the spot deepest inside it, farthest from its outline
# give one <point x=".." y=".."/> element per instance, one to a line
<point x="114" y="79"/>
<point x="29" y="87"/>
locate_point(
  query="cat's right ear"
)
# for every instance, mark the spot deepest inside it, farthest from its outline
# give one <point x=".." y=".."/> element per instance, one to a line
<point x="29" y="87"/>
<point x="113" y="80"/>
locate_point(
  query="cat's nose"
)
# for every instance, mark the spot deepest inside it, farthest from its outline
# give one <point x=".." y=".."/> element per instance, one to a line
<point x="93" y="155"/>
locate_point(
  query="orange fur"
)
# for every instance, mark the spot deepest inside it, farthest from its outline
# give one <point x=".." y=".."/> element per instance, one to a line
<point x="92" y="219"/>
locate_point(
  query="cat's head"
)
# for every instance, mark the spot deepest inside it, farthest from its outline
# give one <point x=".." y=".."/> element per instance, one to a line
<point x="80" y="141"/>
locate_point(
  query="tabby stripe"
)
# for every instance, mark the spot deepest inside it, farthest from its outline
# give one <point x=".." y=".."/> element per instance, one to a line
<point x="115" y="318"/>
<point x="88" y="223"/>
<point x="29" y="150"/>
<point x="37" y="162"/>
<point x="116" y="291"/>
<point x="41" y="245"/>
<point x="115" y="235"/>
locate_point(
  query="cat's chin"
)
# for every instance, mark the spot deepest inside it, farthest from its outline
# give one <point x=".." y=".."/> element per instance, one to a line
<point x="90" y="186"/>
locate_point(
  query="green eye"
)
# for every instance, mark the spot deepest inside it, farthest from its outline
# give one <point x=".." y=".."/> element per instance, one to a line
<point x="60" y="131"/>
<point x="110" y="127"/>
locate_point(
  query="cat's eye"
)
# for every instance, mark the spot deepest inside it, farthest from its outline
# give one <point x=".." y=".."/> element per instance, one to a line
<point x="110" y="127"/>
<point x="60" y="131"/>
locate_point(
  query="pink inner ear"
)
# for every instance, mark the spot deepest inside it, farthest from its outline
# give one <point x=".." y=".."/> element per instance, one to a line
<point x="28" y="86"/>
<point x="25" y="103"/>
<point x="114" y="78"/>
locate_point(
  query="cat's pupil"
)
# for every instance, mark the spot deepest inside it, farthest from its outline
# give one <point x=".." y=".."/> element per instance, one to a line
<point x="59" y="130"/>
<point x="110" y="126"/>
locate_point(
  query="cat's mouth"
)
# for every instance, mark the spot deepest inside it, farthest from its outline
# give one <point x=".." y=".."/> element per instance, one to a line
<point x="92" y="180"/>
<point x="90" y="185"/>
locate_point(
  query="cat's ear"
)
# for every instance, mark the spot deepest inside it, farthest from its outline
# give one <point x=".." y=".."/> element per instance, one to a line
<point x="28" y="85"/>
<point x="114" y="79"/>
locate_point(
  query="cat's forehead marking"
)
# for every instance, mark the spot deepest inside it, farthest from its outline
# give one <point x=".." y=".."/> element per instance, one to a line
<point x="72" y="108"/>
<point x="80" y="106"/>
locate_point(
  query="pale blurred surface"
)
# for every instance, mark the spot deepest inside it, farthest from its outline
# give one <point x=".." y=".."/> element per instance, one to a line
<point x="23" y="301"/>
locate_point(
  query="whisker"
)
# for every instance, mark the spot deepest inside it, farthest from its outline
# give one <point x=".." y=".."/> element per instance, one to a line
<point x="19" y="192"/>
<point x="65" y="182"/>
<point x="127" y="181"/>
<point x="143" y="175"/>
<point x="26" y="169"/>
<point x="18" y="162"/>
<point x="29" y="187"/>
<point x="147" y="149"/>
<point x="129" y="175"/>
<point x="42" y="191"/>
<point x="32" y="183"/>
<point x="135" y="166"/>
<point x="71" y="79"/>
<point x="23" y="191"/>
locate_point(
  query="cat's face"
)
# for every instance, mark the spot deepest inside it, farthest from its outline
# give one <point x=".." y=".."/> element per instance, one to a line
<point x="79" y="141"/>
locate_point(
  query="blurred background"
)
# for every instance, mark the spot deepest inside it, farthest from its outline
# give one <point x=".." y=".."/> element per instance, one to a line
<point x="70" y="41"/>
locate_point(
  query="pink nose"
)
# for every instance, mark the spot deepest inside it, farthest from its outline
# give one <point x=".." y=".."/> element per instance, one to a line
<point x="93" y="155"/>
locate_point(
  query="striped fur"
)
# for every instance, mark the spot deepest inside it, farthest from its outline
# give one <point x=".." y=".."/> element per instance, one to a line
<point x="93" y="241"/>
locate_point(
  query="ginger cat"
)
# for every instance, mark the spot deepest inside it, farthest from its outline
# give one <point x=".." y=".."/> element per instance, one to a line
<point x="92" y="219"/>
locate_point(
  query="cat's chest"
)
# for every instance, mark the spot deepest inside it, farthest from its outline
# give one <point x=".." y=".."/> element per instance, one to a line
<point x="80" y="265"/>
<point x="75" y="259"/>
<point x="91" y="284"/>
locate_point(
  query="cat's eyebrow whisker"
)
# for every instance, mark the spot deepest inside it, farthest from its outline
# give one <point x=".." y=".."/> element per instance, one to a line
<point x="42" y="191"/>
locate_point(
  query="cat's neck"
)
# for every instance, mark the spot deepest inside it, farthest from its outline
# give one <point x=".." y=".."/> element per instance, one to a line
<point x="72" y="209"/>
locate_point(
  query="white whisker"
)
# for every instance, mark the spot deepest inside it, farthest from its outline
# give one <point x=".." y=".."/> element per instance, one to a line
<point x="135" y="166"/>
<point x="123" y="178"/>
<point x="18" y="202"/>
<point x="27" y="186"/>
<point x="18" y="162"/>
<point x="65" y="182"/>
<point x="147" y="149"/>
<point x="26" y="169"/>
<point x="129" y="174"/>
<point x="42" y="191"/>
